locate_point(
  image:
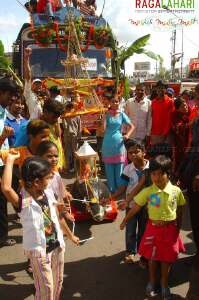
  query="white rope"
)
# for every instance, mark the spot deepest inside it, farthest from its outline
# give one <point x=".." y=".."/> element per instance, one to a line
<point x="73" y="229"/>
<point x="80" y="200"/>
<point x="73" y="222"/>
<point x="86" y="240"/>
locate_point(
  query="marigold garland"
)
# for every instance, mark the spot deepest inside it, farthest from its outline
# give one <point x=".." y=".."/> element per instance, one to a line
<point x="100" y="37"/>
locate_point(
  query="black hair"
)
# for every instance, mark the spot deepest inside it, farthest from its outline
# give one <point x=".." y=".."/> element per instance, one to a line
<point x="178" y="102"/>
<point x="54" y="90"/>
<point x="133" y="143"/>
<point x="197" y="87"/>
<point x="44" y="146"/>
<point x="34" y="168"/>
<point x="185" y="92"/>
<point x="69" y="106"/>
<point x="54" y="106"/>
<point x="160" y="149"/>
<point x="18" y="95"/>
<point x="161" y="162"/>
<point x="90" y="2"/>
<point x="153" y="94"/>
<point x="32" y="3"/>
<point x="161" y="83"/>
<point x="36" y="126"/>
<point x="109" y="92"/>
<point x="8" y="85"/>
<point x="141" y="85"/>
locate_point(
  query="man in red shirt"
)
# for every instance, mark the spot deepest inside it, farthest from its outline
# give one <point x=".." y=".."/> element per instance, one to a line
<point x="162" y="107"/>
<point x="48" y="6"/>
<point x="195" y="108"/>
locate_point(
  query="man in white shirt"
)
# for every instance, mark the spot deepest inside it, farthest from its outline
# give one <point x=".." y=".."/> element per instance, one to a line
<point x="139" y="111"/>
<point x="31" y="89"/>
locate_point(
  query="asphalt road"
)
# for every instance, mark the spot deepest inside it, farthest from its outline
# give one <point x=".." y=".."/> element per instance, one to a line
<point x="93" y="271"/>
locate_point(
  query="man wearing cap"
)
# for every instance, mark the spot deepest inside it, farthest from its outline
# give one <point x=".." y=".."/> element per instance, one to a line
<point x="138" y="109"/>
<point x="162" y="107"/>
<point x="7" y="90"/>
<point x="170" y="93"/>
<point x="31" y="90"/>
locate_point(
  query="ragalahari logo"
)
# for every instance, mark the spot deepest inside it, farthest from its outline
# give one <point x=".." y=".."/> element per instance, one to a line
<point x="165" y="14"/>
<point x="162" y="4"/>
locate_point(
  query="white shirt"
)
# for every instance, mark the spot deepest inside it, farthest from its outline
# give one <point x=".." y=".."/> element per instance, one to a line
<point x="140" y="115"/>
<point x="60" y="99"/>
<point x="34" y="106"/>
<point x="57" y="186"/>
<point x="34" y="240"/>
<point x="133" y="175"/>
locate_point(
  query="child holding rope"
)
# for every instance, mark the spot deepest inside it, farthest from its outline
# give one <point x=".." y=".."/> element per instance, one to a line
<point x="42" y="225"/>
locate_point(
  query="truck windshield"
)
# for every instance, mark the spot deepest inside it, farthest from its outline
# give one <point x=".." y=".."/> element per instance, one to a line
<point x="46" y="62"/>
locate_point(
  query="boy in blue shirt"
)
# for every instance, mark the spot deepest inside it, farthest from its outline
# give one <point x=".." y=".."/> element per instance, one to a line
<point x="135" y="177"/>
<point x="14" y="118"/>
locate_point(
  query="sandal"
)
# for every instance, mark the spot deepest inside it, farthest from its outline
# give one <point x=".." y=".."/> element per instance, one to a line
<point x="8" y="242"/>
<point x="129" y="258"/>
<point x="150" y="290"/>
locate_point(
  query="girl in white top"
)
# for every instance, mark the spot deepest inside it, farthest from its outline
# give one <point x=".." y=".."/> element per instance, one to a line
<point x="43" y="227"/>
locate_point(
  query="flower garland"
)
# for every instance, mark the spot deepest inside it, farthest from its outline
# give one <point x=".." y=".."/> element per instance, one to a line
<point x="44" y="35"/>
<point x="101" y="37"/>
<point x="89" y="38"/>
<point x="65" y="38"/>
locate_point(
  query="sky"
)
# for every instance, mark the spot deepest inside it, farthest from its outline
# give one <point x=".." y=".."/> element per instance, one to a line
<point x="122" y="17"/>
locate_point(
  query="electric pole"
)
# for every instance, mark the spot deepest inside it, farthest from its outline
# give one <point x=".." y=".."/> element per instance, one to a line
<point x="173" y="50"/>
<point x="182" y="57"/>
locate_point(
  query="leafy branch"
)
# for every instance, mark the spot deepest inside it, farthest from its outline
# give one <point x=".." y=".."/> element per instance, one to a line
<point x="123" y="53"/>
<point x="5" y="65"/>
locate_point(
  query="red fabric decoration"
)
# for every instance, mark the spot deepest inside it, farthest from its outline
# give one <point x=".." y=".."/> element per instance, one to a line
<point x="41" y="5"/>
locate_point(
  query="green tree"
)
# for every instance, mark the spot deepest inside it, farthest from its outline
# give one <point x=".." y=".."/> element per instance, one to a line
<point x="121" y="54"/>
<point x="5" y="65"/>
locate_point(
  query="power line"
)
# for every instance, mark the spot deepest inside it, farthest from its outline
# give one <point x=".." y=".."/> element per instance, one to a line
<point x="21" y="4"/>
<point x="191" y="41"/>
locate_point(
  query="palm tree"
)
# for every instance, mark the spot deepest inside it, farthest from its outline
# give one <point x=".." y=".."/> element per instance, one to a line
<point x="121" y="54"/>
<point x="6" y="66"/>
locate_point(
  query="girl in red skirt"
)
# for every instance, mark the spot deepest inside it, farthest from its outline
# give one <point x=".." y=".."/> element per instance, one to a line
<point x="161" y="241"/>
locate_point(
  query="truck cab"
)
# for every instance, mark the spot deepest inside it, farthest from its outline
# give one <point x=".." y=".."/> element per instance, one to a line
<point x="46" y="59"/>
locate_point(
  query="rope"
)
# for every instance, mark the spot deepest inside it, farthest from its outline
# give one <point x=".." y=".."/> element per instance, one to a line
<point x="22" y="5"/>
<point x="103" y="8"/>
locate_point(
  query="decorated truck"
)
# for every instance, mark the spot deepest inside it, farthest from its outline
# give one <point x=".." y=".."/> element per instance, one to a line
<point x="52" y="42"/>
<point x="49" y="43"/>
<point x="72" y="51"/>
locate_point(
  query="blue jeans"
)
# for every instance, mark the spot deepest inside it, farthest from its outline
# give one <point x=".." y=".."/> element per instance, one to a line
<point x="134" y="230"/>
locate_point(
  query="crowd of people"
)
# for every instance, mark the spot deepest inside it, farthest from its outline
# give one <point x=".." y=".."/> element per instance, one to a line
<point x="161" y="142"/>
<point x="148" y="150"/>
<point x="48" y="7"/>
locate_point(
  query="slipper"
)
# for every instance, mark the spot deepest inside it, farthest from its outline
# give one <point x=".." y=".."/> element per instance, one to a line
<point x="8" y="242"/>
<point x="129" y="259"/>
<point x="150" y="290"/>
